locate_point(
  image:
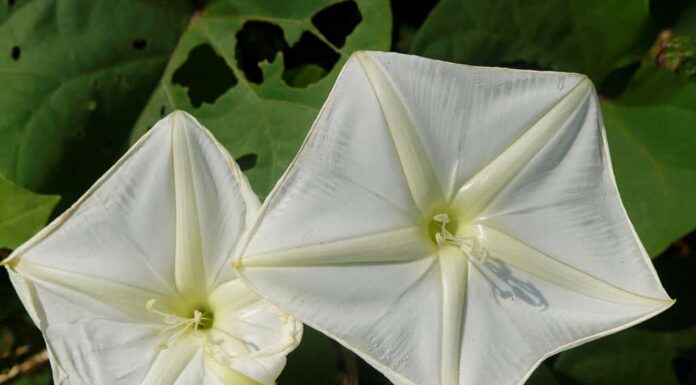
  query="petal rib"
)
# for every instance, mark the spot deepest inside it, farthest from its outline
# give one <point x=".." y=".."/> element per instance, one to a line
<point x="525" y="258"/>
<point x="189" y="262"/>
<point x="454" y="270"/>
<point x="422" y="181"/>
<point x="473" y="197"/>
<point x="401" y="245"/>
<point x="227" y="375"/>
<point x="125" y="298"/>
<point x="170" y="363"/>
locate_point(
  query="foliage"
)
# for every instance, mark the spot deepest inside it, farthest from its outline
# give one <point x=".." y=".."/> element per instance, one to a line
<point x="22" y="213"/>
<point x="83" y="79"/>
<point x="591" y="37"/>
<point x="651" y="134"/>
<point x="282" y="63"/>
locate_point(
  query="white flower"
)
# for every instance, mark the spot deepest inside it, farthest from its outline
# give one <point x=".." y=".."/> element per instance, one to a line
<point x="132" y="284"/>
<point x="453" y="224"/>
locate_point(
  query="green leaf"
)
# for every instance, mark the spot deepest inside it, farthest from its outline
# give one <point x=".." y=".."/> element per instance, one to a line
<point x="22" y="213"/>
<point x="305" y="75"/>
<point x="650" y="130"/>
<point x="631" y="357"/>
<point x="686" y="25"/>
<point x="260" y="113"/>
<point x="588" y="36"/>
<point x="75" y="75"/>
<point x="82" y="78"/>
<point x="542" y="375"/>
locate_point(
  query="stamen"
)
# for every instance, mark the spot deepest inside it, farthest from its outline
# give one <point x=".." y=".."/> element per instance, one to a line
<point x="175" y="322"/>
<point x="445" y="237"/>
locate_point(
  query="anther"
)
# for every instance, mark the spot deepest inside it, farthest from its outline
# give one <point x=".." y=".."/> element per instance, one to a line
<point x="175" y="322"/>
<point x="442" y="218"/>
<point x="443" y="236"/>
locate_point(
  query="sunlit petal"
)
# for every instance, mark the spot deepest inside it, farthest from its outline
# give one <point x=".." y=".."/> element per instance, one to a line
<point x="417" y="167"/>
<point x="128" y="284"/>
<point x="465" y="116"/>
<point x="170" y="363"/>
<point x="482" y="188"/>
<point x="502" y="166"/>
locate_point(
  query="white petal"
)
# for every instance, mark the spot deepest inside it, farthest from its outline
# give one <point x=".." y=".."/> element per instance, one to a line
<point x="188" y="251"/>
<point x="514" y="320"/>
<point x="162" y="224"/>
<point x="169" y="365"/>
<point x="328" y="212"/>
<point x="478" y="192"/>
<point x="465" y="116"/>
<point x="566" y="204"/>
<point x="401" y="245"/>
<point x="101" y="352"/>
<point x="214" y="206"/>
<point x="417" y="168"/>
<point x="327" y="193"/>
<point x="223" y="375"/>
<point x="255" y="335"/>
<point x="123" y="231"/>
<point x="384" y="312"/>
<point x="525" y="258"/>
<point x="95" y="296"/>
<point x="422" y="320"/>
<point x="454" y="273"/>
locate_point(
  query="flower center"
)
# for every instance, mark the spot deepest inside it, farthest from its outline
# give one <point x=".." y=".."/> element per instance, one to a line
<point x="442" y="228"/>
<point x="203" y="317"/>
<point x="200" y="318"/>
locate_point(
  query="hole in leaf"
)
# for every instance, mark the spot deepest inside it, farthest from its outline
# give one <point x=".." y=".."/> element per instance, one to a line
<point x="205" y="74"/>
<point x="257" y="41"/>
<point x="16" y="53"/>
<point x="247" y="161"/>
<point x="337" y="21"/>
<point x="617" y="80"/>
<point x="308" y="61"/>
<point x="162" y="111"/>
<point x="139" y="44"/>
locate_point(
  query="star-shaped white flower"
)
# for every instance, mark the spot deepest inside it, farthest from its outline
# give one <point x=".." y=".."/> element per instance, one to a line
<point x="453" y="224"/>
<point x="132" y="284"/>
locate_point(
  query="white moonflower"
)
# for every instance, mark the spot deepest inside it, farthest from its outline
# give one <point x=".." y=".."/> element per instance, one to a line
<point x="453" y="225"/>
<point x="132" y="284"/>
